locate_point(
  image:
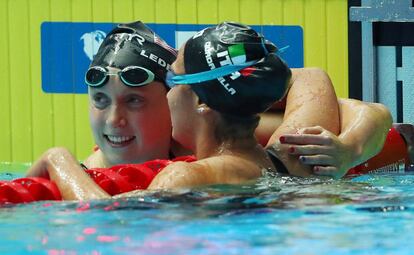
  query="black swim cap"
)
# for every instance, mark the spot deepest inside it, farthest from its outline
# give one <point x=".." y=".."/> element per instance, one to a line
<point x="247" y="92"/>
<point x="134" y="44"/>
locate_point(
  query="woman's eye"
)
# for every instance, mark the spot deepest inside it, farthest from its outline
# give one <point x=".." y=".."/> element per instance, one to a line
<point x="100" y="100"/>
<point x="135" y="101"/>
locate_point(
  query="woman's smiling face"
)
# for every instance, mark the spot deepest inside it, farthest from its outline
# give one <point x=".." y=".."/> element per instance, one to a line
<point x="130" y="124"/>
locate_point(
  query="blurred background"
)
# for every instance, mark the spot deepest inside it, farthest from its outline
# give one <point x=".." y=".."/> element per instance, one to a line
<point x="45" y="46"/>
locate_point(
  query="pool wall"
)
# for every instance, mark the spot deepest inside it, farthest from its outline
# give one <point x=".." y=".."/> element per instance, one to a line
<point x="32" y="120"/>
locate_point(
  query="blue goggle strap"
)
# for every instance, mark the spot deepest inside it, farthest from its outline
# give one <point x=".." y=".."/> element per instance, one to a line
<point x="215" y="73"/>
<point x="211" y="74"/>
<point x="281" y="50"/>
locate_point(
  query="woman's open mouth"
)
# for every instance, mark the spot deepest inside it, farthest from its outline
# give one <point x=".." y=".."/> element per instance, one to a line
<point x="118" y="140"/>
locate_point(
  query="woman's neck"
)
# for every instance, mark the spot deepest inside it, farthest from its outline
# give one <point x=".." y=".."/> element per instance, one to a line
<point x="207" y="147"/>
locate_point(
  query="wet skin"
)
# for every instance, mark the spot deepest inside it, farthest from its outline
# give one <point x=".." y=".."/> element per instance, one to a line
<point x="130" y="124"/>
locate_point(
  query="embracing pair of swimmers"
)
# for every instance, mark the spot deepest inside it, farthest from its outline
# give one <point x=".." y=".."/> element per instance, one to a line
<point x="149" y="102"/>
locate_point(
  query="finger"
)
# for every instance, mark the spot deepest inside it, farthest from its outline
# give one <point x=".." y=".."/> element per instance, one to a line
<point x="316" y="130"/>
<point x="309" y="149"/>
<point x="305" y="139"/>
<point x="319" y="159"/>
<point x="328" y="171"/>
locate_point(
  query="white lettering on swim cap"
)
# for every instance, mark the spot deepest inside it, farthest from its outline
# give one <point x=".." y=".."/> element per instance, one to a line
<point x="235" y="75"/>
<point x="207" y="52"/>
<point x="226" y="85"/>
<point x="226" y="62"/>
<point x="143" y="54"/>
<point x="153" y="57"/>
<point x="224" y="54"/>
<point x="161" y="62"/>
<point x="129" y="37"/>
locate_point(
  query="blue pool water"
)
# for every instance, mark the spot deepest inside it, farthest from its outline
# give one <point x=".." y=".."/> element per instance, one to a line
<point x="372" y="214"/>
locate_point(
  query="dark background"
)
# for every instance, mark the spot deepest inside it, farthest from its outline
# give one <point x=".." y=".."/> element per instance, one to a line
<point x="385" y="34"/>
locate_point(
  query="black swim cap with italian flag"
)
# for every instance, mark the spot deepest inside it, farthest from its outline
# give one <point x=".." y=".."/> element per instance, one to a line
<point x="245" y="92"/>
<point x="134" y="44"/>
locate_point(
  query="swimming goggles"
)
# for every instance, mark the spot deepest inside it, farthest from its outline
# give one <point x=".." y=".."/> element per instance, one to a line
<point x="133" y="76"/>
<point x="172" y="79"/>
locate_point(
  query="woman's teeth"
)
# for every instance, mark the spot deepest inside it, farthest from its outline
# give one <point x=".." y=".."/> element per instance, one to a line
<point x="119" y="139"/>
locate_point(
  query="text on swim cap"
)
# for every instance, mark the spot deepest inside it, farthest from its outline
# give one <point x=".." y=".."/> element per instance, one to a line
<point x="207" y="52"/>
<point x="156" y="59"/>
<point x="227" y="62"/>
<point x="138" y="38"/>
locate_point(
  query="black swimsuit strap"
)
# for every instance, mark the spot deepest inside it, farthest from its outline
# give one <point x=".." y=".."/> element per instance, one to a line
<point x="280" y="167"/>
<point x="83" y="166"/>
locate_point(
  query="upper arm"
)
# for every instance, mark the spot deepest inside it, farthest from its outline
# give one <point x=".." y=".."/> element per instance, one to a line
<point x="375" y="113"/>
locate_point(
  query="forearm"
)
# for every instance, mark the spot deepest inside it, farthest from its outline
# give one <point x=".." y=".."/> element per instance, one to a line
<point x="311" y="102"/>
<point x="364" y="127"/>
<point x="72" y="181"/>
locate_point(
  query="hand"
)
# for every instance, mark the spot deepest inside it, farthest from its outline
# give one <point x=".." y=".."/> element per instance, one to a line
<point x="321" y="149"/>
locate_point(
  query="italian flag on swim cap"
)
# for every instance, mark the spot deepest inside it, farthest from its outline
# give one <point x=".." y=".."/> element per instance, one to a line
<point x="237" y="54"/>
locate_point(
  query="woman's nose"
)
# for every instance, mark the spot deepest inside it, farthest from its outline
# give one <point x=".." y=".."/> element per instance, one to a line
<point x="116" y="117"/>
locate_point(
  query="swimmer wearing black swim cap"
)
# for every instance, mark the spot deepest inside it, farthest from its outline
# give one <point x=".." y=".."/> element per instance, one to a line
<point x="137" y="51"/>
<point x="128" y="109"/>
<point x="234" y="69"/>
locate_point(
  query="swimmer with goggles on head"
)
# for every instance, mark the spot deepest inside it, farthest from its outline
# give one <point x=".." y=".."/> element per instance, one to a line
<point x="130" y="123"/>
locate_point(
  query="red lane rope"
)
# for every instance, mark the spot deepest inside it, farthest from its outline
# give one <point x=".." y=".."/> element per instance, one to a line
<point x="115" y="180"/>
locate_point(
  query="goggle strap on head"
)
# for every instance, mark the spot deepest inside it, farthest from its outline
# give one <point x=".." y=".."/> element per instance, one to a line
<point x="211" y="74"/>
<point x="281" y="50"/>
<point x="264" y="47"/>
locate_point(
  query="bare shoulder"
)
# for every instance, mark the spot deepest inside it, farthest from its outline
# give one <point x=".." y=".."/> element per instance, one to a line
<point x="179" y="175"/>
<point x="181" y="169"/>
<point x="180" y="166"/>
<point x="232" y="168"/>
<point x="214" y="170"/>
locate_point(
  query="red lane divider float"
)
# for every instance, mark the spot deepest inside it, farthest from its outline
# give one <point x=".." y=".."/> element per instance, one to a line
<point x="25" y="190"/>
<point x="115" y="180"/>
